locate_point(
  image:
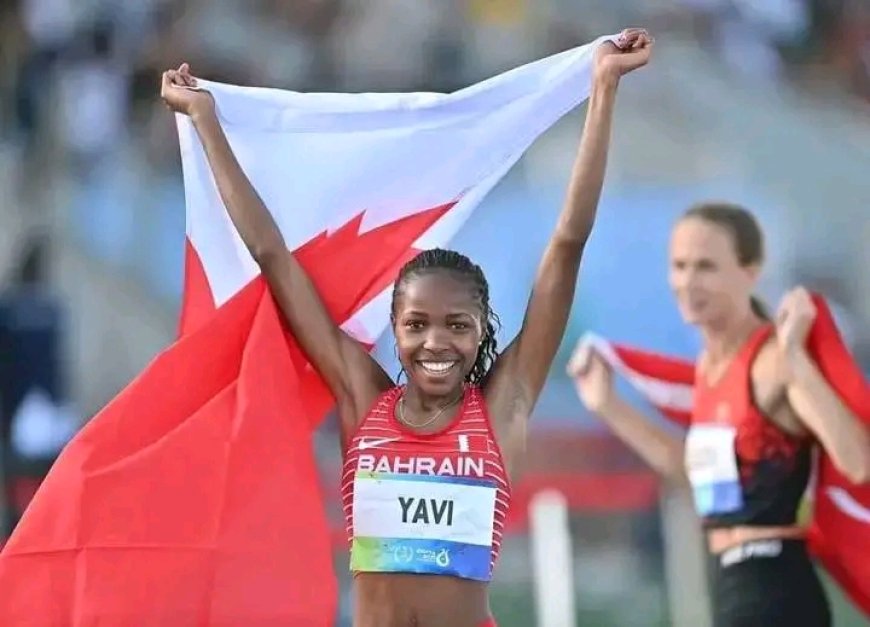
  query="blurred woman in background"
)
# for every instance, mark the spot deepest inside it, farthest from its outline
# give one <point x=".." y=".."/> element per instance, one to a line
<point x="760" y="406"/>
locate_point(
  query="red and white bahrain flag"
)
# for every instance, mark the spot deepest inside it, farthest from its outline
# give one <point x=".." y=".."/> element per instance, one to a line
<point x="193" y="497"/>
<point x="839" y="529"/>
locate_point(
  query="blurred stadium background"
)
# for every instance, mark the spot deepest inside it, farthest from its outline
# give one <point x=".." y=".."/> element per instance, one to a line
<point x="763" y="102"/>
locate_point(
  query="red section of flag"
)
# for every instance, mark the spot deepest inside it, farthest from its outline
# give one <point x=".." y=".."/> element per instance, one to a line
<point x="197" y="305"/>
<point x="840" y="539"/>
<point x="667" y="370"/>
<point x="189" y="500"/>
<point x="682" y="418"/>
<point x="839" y="533"/>
<point x="193" y="497"/>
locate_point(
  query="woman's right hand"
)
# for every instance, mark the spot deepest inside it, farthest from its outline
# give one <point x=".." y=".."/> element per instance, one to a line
<point x="631" y="51"/>
<point x="593" y="379"/>
<point x="180" y="93"/>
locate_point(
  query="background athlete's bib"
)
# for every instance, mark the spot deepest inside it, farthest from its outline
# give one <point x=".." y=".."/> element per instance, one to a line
<point x="711" y="463"/>
<point x="423" y="524"/>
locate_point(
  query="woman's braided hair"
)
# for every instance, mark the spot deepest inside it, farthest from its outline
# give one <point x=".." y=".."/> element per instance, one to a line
<point x="441" y="260"/>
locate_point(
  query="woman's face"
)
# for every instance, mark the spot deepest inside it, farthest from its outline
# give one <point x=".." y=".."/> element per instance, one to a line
<point x="438" y="328"/>
<point x="705" y="274"/>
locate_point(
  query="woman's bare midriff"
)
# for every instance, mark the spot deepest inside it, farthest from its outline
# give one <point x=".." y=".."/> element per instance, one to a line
<point x="403" y="600"/>
<point x="719" y="540"/>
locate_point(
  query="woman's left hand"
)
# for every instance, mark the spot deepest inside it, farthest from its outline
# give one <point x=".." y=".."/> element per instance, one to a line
<point x="180" y="92"/>
<point x="794" y="318"/>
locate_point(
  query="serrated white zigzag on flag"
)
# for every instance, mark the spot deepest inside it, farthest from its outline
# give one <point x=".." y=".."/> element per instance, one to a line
<point x="319" y="160"/>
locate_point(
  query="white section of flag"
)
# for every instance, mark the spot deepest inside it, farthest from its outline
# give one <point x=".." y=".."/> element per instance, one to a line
<point x="317" y="160"/>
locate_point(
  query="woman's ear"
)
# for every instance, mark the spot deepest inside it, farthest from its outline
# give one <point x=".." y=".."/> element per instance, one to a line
<point x="753" y="270"/>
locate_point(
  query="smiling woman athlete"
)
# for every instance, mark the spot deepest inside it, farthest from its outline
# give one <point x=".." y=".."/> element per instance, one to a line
<point x="426" y="473"/>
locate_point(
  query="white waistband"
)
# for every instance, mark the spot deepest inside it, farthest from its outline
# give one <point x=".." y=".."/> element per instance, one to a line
<point x="751" y="550"/>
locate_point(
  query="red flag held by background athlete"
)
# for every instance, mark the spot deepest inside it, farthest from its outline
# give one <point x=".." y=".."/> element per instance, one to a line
<point x="839" y="533"/>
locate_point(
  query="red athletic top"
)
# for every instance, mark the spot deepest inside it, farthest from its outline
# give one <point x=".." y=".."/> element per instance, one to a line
<point x="744" y="469"/>
<point x="425" y="503"/>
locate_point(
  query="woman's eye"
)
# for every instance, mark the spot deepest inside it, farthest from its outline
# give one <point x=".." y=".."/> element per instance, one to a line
<point x="414" y="324"/>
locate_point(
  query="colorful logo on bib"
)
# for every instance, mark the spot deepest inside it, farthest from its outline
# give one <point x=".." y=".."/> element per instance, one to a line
<point x="403" y="554"/>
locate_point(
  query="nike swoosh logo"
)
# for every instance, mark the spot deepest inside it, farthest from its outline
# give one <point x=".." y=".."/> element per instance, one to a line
<point x="367" y="444"/>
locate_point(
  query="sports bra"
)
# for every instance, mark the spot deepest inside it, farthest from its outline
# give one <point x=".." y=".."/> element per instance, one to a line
<point x="743" y="468"/>
<point x="431" y="503"/>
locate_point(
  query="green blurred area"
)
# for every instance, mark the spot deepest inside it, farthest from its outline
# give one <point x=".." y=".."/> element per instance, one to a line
<point x="845" y="613"/>
<point x="514" y="606"/>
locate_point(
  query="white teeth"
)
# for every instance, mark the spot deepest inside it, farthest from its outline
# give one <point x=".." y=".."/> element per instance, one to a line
<point x="437" y="367"/>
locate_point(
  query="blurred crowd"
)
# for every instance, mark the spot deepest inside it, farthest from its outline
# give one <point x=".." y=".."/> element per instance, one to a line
<point x="87" y="69"/>
<point x="816" y="42"/>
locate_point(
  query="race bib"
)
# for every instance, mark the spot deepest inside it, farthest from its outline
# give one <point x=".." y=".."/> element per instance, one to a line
<point x="711" y="463"/>
<point x="423" y="524"/>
